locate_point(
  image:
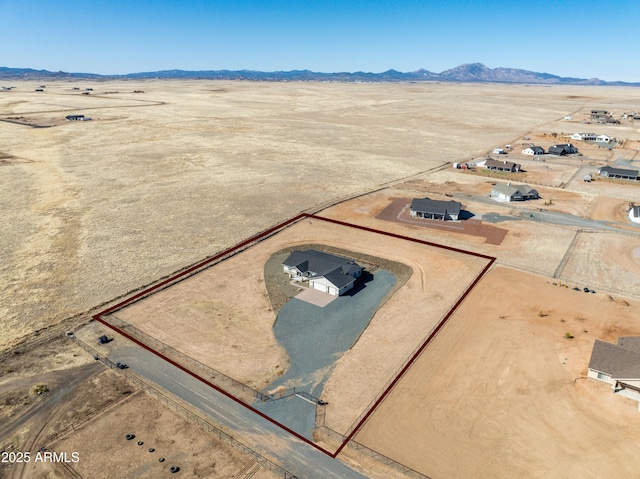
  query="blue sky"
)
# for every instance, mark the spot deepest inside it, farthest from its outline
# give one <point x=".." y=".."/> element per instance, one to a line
<point x="586" y="38"/>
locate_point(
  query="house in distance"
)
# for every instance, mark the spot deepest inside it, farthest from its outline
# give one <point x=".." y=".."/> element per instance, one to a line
<point x="434" y="209"/>
<point x="325" y="272"/>
<point x="504" y="165"/>
<point x="509" y="192"/>
<point x="533" y="151"/>
<point x="562" y="150"/>
<point x="618" y="173"/>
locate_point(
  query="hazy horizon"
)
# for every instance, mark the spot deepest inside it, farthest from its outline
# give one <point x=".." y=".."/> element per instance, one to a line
<point x="569" y="39"/>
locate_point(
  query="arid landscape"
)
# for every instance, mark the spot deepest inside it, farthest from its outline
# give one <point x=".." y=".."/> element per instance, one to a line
<point x="157" y="181"/>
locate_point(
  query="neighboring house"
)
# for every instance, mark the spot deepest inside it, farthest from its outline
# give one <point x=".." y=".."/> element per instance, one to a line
<point x="618" y="173"/>
<point x="562" y="150"/>
<point x="603" y="139"/>
<point x="634" y="214"/>
<point x="434" y="209"/>
<point x="618" y="364"/>
<point x="495" y="165"/>
<point x="325" y="272"/>
<point x="600" y="114"/>
<point x="509" y="192"/>
<point x="584" y="136"/>
<point x="74" y="117"/>
<point x="533" y="150"/>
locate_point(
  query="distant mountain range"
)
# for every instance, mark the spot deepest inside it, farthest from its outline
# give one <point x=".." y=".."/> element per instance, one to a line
<point x="467" y="73"/>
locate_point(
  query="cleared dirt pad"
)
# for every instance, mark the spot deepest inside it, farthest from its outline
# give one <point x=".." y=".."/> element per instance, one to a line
<point x="241" y="344"/>
<point x="398" y="211"/>
<point x="495" y="395"/>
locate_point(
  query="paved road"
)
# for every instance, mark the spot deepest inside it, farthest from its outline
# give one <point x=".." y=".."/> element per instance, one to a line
<point x="261" y="435"/>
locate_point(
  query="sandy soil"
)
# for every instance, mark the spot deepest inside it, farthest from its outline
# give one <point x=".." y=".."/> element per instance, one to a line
<point x="239" y="341"/>
<point x="105" y="453"/>
<point x="157" y="181"/>
<point x="606" y="261"/>
<point x="522" y="247"/>
<point x="496" y="394"/>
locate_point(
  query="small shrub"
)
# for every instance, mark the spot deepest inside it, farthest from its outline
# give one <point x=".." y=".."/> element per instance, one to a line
<point x="568" y="335"/>
<point x="40" y="389"/>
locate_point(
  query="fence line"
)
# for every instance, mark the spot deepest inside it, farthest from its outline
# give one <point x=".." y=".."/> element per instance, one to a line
<point x="361" y="448"/>
<point x="242" y="390"/>
<point x="408" y="358"/>
<point x="569" y="279"/>
<point x="174" y="403"/>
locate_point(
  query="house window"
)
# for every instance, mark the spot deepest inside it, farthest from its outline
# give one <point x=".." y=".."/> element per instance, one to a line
<point x="603" y="377"/>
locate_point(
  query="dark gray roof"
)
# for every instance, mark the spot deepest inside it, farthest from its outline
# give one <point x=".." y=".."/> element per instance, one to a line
<point x="510" y="190"/>
<point x="502" y="164"/>
<point x="620" y="361"/>
<point x="566" y="147"/>
<point x="636" y="211"/>
<point x="619" y="171"/>
<point x="538" y="149"/>
<point x="338" y="278"/>
<point x="426" y="205"/>
<point x="318" y="262"/>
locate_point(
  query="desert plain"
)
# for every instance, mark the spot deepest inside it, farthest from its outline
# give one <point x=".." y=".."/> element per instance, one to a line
<point x="156" y="181"/>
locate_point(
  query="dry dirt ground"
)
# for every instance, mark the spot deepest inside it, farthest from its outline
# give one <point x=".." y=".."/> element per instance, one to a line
<point x="159" y="180"/>
<point x="222" y="316"/>
<point x="523" y="245"/>
<point x="496" y="394"/>
<point x="105" y="453"/>
<point x="93" y="210"/>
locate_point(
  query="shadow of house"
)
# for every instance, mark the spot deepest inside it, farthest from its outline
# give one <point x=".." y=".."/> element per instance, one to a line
<point x="465" y="215"/>
<point x="360" y="284"/>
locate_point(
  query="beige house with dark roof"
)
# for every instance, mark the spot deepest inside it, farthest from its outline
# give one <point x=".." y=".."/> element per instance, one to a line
<point x="618" y="365"/>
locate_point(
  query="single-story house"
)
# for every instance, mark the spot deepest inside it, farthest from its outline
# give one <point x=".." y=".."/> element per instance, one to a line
<point x="324" y="272"/>
<point x="603" y="138"/>
<point x="504" y="165"/>
<point x="634" y="214"/>
<point x="533" y="150"/>
<point x="562" y="150"/>
<point x="434" y="209"/>
<point x="600" y="114"/>
<point x="74" y="117"/>
<point x="619" y="173"/>
<point x="509" y="192"/>
<point x="584" y="136"/>
<point x="618" y="365"/>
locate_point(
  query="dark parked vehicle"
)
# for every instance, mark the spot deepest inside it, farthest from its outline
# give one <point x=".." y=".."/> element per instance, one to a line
<point x="103" y="339"/>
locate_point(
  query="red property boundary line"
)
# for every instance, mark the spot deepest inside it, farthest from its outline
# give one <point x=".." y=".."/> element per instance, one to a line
<point x="183" y="274"/>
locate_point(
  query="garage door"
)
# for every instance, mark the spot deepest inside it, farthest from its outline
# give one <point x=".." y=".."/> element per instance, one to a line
<point x="333" y="291"/>
<point x="320" y="287"/>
